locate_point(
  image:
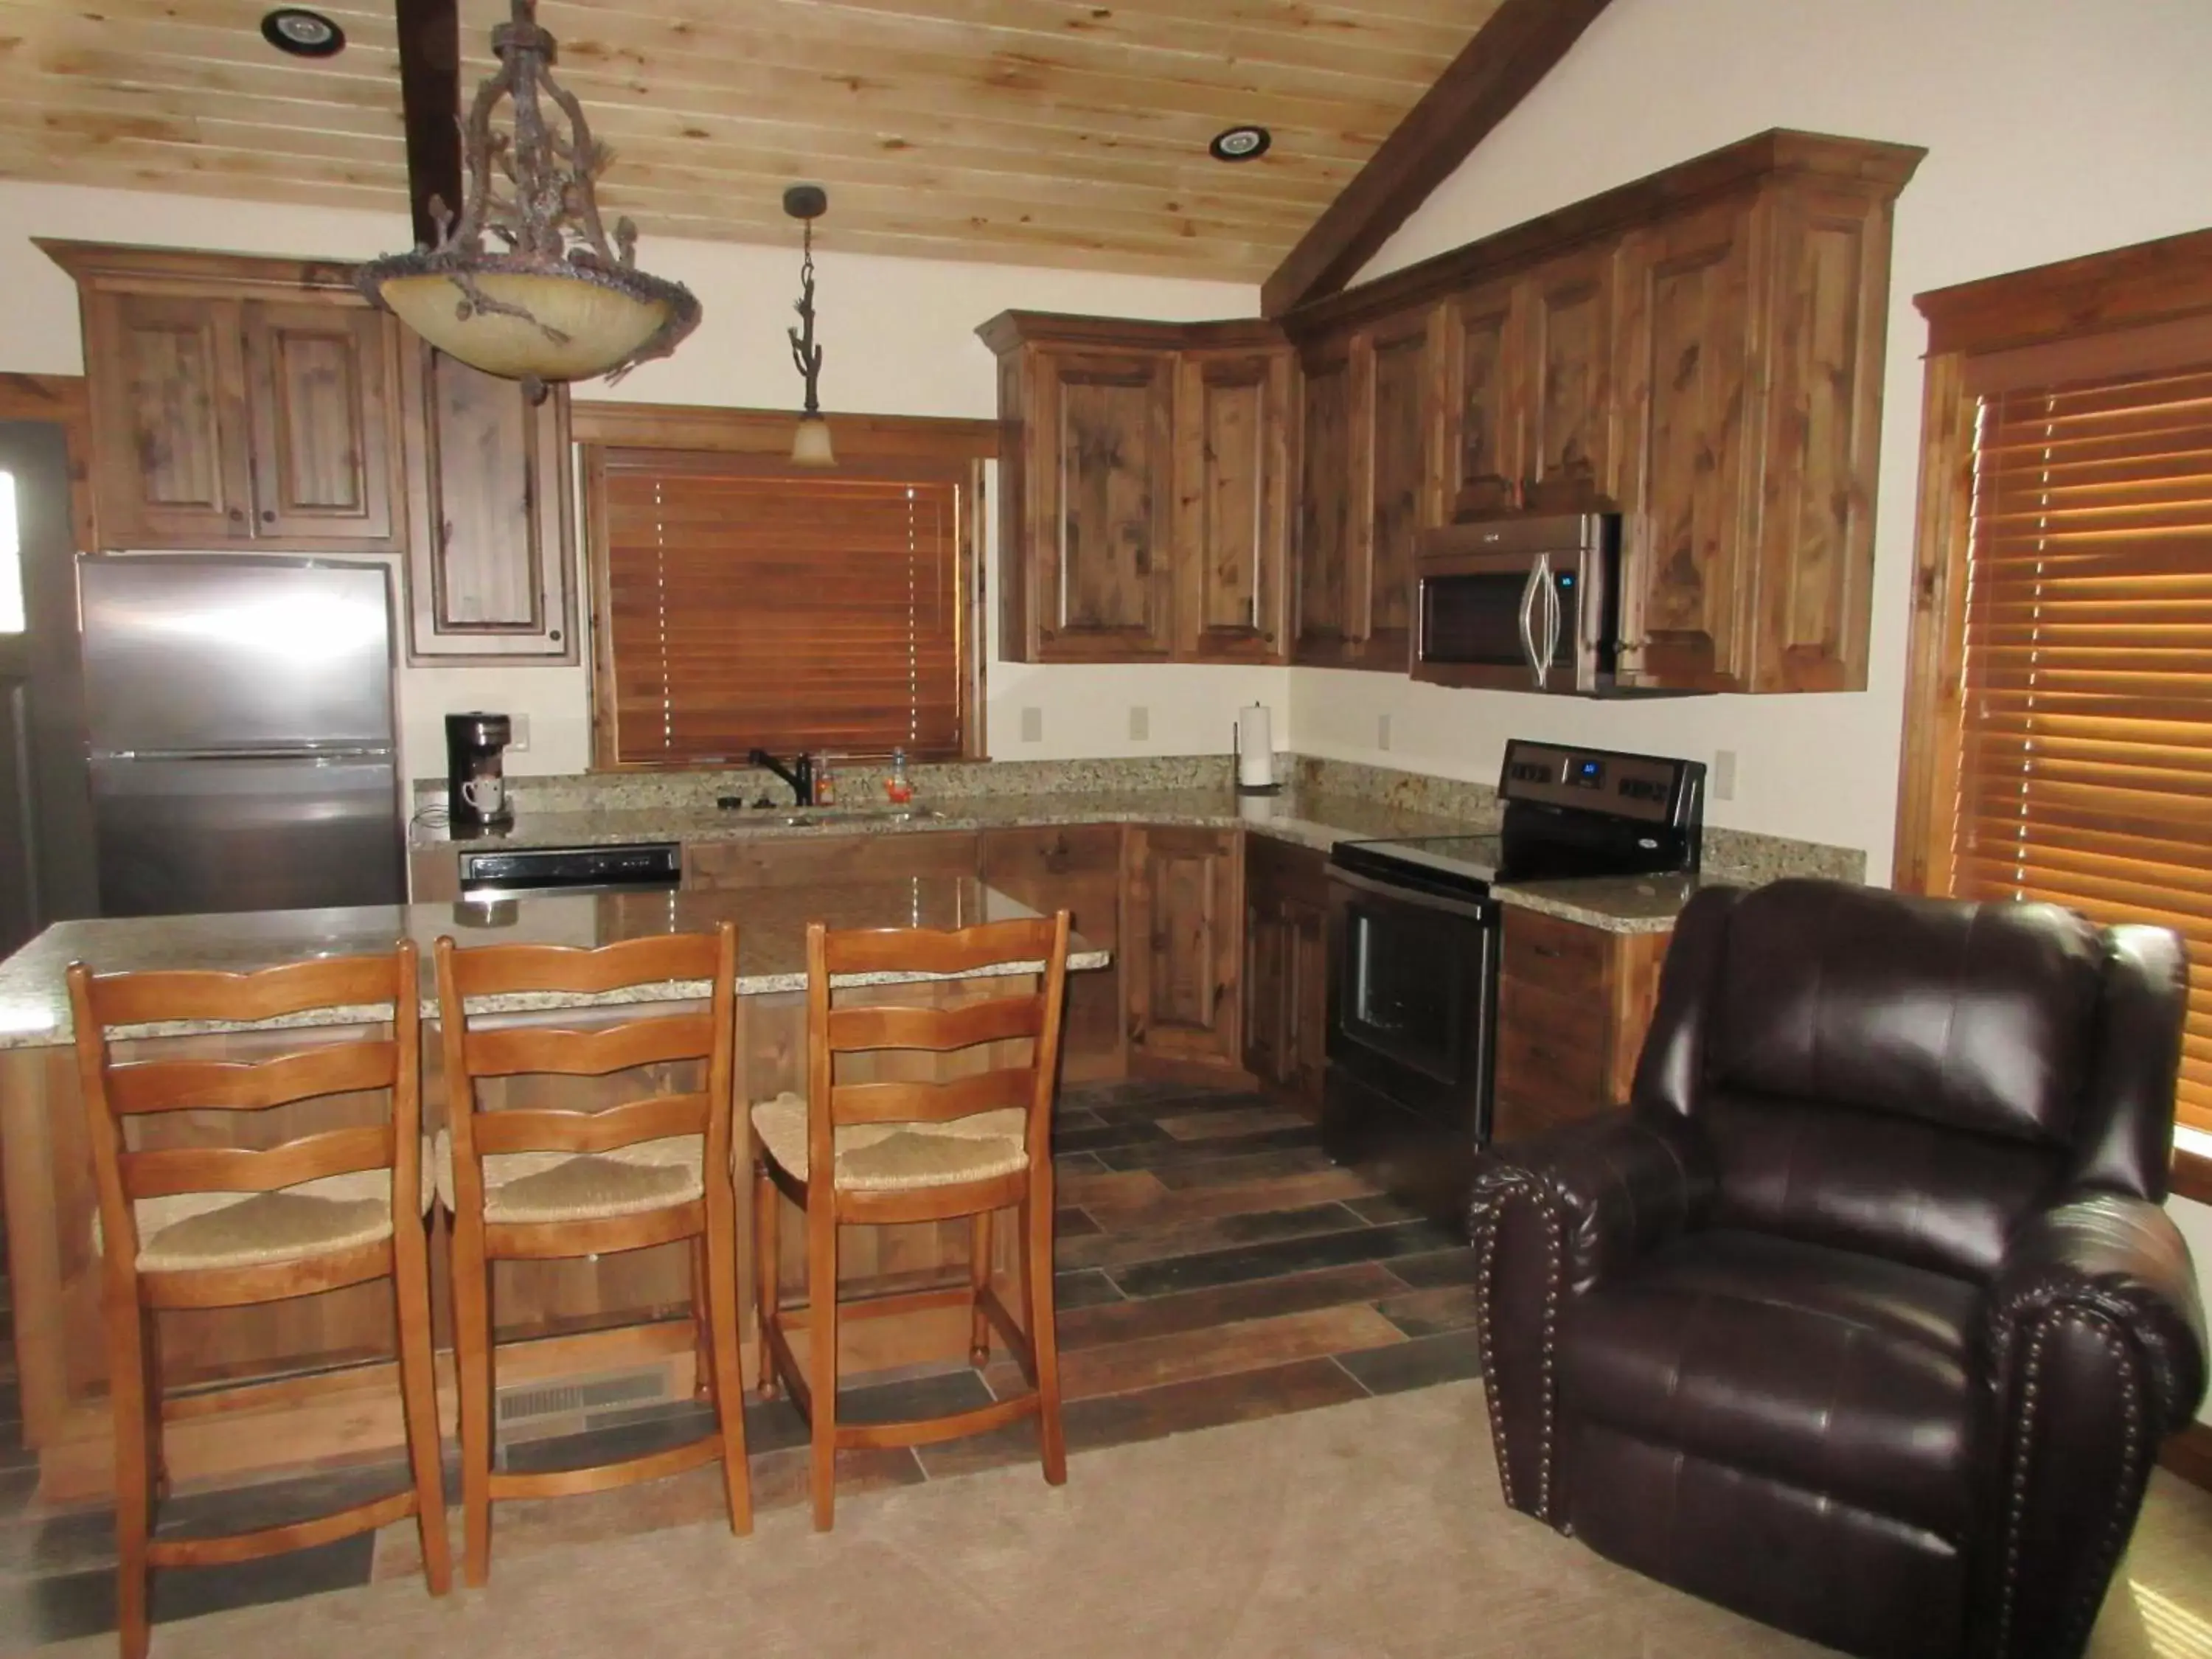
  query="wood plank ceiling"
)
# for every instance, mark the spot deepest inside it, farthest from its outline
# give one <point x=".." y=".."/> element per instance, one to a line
<point x="1058" y="132"/>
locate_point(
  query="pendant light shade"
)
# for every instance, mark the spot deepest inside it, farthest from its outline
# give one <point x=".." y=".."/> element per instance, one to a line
<point x="810" y="444"/>
<point x="555" y="301"/>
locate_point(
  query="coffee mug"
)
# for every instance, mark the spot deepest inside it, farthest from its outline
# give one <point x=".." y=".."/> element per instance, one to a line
<point x="485" y="796"/>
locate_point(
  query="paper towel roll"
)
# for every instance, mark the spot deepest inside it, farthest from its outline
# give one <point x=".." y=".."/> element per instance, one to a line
<point x="1256" y="748"/>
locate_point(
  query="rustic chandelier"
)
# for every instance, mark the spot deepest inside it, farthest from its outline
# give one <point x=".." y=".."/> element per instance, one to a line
<point x="552" y="302"/>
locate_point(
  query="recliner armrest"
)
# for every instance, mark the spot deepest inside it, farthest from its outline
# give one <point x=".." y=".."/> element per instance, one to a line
<point x="2121" y="1259"/>
<point x="1621" y="1185"/>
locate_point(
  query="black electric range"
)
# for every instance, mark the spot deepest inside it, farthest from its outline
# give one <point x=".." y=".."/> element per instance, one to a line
<point x="1413" y="951"/>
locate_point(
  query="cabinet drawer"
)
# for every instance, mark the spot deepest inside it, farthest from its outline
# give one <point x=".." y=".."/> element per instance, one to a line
<point x="810" y="860"/>
<point x="1014" y="856"/>
<point x="1282" y="870"/>
<point x="1561" y="956"/>
<point x="1535" y="1057"/>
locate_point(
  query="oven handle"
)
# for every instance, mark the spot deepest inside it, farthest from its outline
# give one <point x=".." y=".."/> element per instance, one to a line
<point x="1482" y="910"/>
<point x="1536" y="572"/>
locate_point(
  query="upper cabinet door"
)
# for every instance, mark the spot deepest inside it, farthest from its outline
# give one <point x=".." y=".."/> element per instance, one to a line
<point x="491" y="554"/>
<point x="1402" y="474"/>
<point x="170" y="441"/>
<point x="1231" y="499"/>
<point x="1573" y="414"/>
<point x="1486" y="435"/>
<point x="1107" y="498"/>
<point x="1691" y="503"/>
<point x="316" y="385"/>
<point x="1331" y="561"/>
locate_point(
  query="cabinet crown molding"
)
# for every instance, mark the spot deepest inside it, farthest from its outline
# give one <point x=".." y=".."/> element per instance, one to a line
<point x="229" y="276"/>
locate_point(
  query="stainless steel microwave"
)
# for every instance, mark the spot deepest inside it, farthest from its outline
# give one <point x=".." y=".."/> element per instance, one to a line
<point x="1520" y="605"/>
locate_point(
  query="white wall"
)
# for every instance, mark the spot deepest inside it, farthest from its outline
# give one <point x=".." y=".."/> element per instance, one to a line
<point x="900" y="339"/>
<point x="2053" y="129"/>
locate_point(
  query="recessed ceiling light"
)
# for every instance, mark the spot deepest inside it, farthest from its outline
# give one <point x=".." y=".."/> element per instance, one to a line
<point x="302" y="33"/>
<point x="1240" y="145"/>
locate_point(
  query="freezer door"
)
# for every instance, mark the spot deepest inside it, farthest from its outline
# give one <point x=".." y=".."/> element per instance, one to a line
<point x="186" y="653"/>
<point x="180" y="837"/>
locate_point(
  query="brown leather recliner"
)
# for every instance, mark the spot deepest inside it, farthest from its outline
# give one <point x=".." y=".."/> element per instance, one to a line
<point x="1862" y="1318"/>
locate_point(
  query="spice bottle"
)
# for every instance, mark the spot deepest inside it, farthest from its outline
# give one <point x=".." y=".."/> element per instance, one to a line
<point x="898" y="786"/>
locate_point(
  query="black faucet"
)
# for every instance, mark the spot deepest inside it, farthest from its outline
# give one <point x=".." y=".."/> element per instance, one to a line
<point x="799" y="774"/>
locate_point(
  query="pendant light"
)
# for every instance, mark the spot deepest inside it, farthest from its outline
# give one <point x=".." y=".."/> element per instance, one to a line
<point x="810" y="444"/>
<point x="552" y="300"/>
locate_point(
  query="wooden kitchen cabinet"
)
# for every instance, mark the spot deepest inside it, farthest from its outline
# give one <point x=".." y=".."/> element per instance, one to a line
<point x="1076" y="868"/>
<point x="1231" y="503"/>
<point x="829" y="860"/>
<point x="237" y="403"/>
<point x="491" y="558"/>
<point x="1330" y="561"/>
<point x="1573" y="1004"/>
<point x="1286" y="983"/>
<point x="1144" y="490"/>
<point x="1182" y="913"/>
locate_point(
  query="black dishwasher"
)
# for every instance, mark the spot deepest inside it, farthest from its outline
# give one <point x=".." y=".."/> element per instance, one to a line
<point x="630" y="867"/>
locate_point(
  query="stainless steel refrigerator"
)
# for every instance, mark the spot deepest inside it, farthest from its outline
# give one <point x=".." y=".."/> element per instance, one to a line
<point x="239" y="715"/>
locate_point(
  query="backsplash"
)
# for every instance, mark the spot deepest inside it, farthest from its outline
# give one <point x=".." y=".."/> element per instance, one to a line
<point x="1729" y="855"/>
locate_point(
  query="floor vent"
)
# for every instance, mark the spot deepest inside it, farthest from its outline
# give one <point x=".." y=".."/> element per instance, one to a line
<point x="619" y="1391"/>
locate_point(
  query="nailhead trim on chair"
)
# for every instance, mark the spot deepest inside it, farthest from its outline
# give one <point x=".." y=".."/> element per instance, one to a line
<point x="2083" y="1618"/>
<point x="1499" y="1188"/>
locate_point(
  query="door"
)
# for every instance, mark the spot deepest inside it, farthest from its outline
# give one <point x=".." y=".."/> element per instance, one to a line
<point x="1331" y="558"/>
<point x="185" y="653"/>
<point x="1487" y="445"/>
<point x="1400" y="474"/>
<point x="1104" y="567"/>
<point x="47" y="866"/>
<point x="491" y="550"/>
<point x="1183" y="913"/>
<point x="1685" y="576"/>
<point x="1573" y="415"/>
<point x="1231" y="414"/>
<point x="240" y="832"/>
<point x="171" y="445"/>
<point x="1411" y="1005"/>
<point x="1267" y="1011"/>
<point x="317" y="389"/>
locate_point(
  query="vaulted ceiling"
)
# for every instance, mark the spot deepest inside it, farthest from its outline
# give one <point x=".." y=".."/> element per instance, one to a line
<point x="1060" y="132"/>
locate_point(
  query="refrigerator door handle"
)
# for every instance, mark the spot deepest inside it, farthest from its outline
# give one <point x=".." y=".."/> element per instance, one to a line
<point x="352" y="752"/>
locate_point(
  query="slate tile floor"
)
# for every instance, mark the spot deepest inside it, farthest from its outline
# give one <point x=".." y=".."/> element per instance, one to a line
<point x="1214" y="1268"/>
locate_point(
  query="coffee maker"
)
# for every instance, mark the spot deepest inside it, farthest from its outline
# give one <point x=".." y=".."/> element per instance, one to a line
<point x="476" y="787"/>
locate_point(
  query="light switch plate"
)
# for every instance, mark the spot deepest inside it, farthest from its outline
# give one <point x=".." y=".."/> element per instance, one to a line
<point x="519" y="733"/>
<point x="1032" y="725"/>
<point x="1140" y="722"/>
<point x="1724" y="775"/>
<point x="1383" y="731"/>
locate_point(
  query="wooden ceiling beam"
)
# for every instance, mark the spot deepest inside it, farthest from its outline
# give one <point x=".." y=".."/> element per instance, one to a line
<point x="1498" y="68"/>
<point x="430" y="100"/>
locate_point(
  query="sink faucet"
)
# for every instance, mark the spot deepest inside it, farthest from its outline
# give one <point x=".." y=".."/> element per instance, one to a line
<point x="799" y="774"/>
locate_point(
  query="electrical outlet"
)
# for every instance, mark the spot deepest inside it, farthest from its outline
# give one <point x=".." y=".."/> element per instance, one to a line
<point x="1140" y="722"/>
<point x="1383" y="731"/>
<point x="519" y="733"/>
<point x="1032" y="725"/>
<point x="1723" y="775"/>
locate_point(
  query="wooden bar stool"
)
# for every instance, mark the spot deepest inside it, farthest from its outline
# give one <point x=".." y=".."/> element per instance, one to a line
<point x="537" y="1184"/>
<point x="906" y="1151"/>
<point x="218" y="1226"/>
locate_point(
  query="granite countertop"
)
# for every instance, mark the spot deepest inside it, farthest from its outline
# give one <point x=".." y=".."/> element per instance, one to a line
<point x="34" y="1010"/>
<point x="1317" y="820"/>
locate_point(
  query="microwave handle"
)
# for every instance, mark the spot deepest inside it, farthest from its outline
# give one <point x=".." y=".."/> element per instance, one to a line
<point x="1538" y="572"/>
<point x="1554" y="618"/>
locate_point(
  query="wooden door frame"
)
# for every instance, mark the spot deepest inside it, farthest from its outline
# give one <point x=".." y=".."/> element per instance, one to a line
<point x="2054" y="318"/>
<point x="64" y="400"/>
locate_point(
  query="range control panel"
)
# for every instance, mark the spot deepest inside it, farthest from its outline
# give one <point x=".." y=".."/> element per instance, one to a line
<point x="1650" y="788"/>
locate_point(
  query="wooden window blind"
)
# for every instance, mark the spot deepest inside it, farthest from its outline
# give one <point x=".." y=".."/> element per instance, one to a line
<point x="751" y="607"/>
<point x="2085" y="748"/>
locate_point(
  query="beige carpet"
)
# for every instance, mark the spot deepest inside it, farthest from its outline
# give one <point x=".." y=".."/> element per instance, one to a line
<point x="1372" y="1528"/>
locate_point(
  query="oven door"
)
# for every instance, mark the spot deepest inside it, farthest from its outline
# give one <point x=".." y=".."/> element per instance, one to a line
<point x="1413" y="1001"/>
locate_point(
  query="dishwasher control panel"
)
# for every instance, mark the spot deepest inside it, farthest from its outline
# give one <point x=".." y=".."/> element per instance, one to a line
<point x="571" y="869"/>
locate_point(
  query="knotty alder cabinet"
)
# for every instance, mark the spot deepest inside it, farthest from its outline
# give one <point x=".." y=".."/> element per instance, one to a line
<point x="1700" y="351"/>
<point x="1183" y="918"/>
<point x="1573" y="1004"/>
<point x="237" y="403"/>
<point x="1144" y="489"/>
<point x="1286" y="967"/>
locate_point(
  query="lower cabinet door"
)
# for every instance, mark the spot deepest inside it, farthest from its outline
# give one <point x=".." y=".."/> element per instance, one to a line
<point x="1182" y="919"/>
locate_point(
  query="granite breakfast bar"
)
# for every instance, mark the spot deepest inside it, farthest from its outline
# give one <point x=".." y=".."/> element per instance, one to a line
<point x="618" y="1316"/>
